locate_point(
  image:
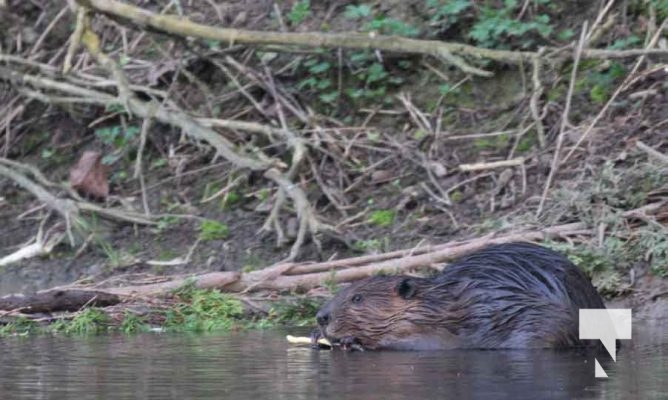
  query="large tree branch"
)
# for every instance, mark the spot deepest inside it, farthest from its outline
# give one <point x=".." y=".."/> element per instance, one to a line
<point x="447" y="51"/>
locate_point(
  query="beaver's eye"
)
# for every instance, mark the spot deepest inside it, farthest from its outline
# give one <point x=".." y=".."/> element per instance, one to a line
<point x="357" y="299"/>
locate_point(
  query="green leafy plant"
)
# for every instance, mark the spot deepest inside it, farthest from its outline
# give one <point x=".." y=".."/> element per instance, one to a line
<point x="299" y="12"/>
<point x="493" y="23"/>
<point x="643" y="7"/>
<point x="371" y="80"/>
<point x="47" y="152"/>
<point x="391" y="26"/>
<point x="318" y="80"/>
<point x="624" y="43"/>
<point x="565" y="34"/>
<point x="446" y="89"/>
<point x="212" y="44"/>
<point x="357" y="11"/>
<point x="165" y="222"/>
<point x="160" y="162"/>
<point x="447" y="13"/>
<point x="379" y="23"/>
<point x="116" y="135"/>
<point x="600" y="81"/>
<point x="496" y="24"/>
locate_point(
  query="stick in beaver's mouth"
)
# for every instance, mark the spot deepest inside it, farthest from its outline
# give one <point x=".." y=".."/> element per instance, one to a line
<point x="346" y="344"/>
<point x="307" y="340"/>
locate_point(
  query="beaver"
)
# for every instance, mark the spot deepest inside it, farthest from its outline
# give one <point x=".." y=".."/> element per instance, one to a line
<point x="512" y="295"/>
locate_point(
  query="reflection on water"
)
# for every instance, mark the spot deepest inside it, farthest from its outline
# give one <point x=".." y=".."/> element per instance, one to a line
<point x="261" y="365"/>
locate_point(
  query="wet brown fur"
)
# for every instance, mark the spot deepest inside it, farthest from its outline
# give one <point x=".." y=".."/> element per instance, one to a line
<point x="506" y="296"/>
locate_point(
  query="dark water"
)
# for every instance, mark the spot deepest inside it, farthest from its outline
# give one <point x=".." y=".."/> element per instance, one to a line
<point x="261" y="365"/>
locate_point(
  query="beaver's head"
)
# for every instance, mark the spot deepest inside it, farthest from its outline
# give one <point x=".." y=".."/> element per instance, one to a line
<point x="384" y="312"/>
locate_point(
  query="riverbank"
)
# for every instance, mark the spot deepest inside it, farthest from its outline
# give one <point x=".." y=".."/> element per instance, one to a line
<point x="262" y="155"/>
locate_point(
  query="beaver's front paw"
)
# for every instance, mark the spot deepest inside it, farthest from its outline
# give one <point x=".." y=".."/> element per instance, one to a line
<point x="316" y="335"/>
<point x="349" y="343"/>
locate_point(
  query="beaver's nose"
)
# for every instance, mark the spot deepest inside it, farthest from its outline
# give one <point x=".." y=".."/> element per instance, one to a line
<point x="322" y="317"/>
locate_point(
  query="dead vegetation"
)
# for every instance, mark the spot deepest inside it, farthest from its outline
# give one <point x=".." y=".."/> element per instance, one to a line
<point x="321" y="169"/>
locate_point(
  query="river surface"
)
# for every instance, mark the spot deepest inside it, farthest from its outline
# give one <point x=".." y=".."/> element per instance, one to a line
<point x="262" y="365"/>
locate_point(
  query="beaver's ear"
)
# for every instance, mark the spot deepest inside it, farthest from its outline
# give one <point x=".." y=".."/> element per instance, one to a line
<point x="406" y="288"/>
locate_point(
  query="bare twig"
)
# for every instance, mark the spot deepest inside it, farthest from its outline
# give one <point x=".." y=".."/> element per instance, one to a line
<point x="47" y="30"/>
<point x="564" y="119"/>
<point x="535" y="97"/>
<point x="404" y="264"/>
<point x="66" y="208"/>
<point x="598" y="20"/>
<point x="621" y="87"/>
<point x="172" y="117"/>
<point x="491" y="165"/>
<point x="651" y="152"/>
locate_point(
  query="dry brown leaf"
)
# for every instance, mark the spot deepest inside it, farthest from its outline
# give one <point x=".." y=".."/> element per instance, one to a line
<point x="89" y="176"/>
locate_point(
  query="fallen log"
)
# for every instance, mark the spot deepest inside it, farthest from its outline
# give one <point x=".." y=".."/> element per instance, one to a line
<point x="58" y="300"/>
<point x="380" y="259"/>
<point x="211" y="280"/>
<point x="257" y="280"/>
<point x="348" y="270"/>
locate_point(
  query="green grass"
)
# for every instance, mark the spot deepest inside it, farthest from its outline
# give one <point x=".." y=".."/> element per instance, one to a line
<point x="133" y="323"/>
<point x="230" y="199"/>
<point x="19" y="327"/>
<point x="298" y="312"/>
<point x="370" y="245"/>
<point x="252" y="262"/>
<point x="330" y="282"/>
<point x="213" y="230"/>
<point x="201" y="310"/>
<point x="88" y="321"/>
<point x="492" y="143"/>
